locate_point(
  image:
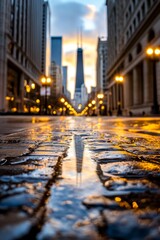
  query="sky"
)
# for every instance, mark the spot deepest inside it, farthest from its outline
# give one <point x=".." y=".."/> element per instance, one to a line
<point x="69" y="16"/>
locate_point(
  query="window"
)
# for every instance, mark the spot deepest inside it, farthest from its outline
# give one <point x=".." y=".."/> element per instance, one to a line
<point x="143" y="10"/>
<point x="138" y="17"/>
<point x="151" y="35"/>
<point x="134" y="3"/>
<point x="126" y="16"/>
<point x="134" y="24"/>
<point x="130" y="57"/>
<point x="148" y="4"/>
<point x="139" y="48"/>
<point x="130" y="30"/>
<point x="127" y="35"/>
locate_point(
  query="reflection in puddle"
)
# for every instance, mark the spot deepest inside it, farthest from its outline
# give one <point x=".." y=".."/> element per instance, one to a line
<point x="79" y="148"/>
<point x="66" y="214"/>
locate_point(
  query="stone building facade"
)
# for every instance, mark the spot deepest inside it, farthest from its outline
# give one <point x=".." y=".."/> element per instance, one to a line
<point x="101" y="83"/>
<point x="133" y="25"/>
<point x="20" y="54"/>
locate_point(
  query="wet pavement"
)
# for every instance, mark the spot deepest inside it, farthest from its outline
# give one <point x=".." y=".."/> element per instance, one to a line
<point x="79" y="178"/>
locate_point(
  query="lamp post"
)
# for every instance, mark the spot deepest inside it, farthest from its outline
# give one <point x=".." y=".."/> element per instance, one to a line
<point x="154" y="56"/>
<point x="119" y="79"/>
<point x="100" y="97"/>
<point x="46" y="81"/>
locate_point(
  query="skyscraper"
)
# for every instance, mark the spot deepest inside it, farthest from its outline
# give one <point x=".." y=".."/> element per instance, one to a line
<point x="56" y="50"/>
<point x="101" y="85"/>
<point x="46" y="40"/>
<point x="79" y="70"/>
<point x="65" y="78"/>
<point x="56" y="74"/>
<point x="56" y="64"/>
<point x="79" y="84"/>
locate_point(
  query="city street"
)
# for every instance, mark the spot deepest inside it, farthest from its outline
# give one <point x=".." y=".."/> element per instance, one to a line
<point x="88" y="178"/>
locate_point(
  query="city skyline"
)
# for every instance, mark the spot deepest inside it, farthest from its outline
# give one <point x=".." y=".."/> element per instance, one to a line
<point x="67" y="18"/>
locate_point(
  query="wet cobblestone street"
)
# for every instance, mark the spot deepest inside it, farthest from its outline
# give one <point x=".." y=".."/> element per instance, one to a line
<point x="79" y="178"/>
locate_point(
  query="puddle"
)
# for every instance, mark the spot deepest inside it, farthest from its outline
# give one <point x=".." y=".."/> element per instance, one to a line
<point x="67" y="216"/>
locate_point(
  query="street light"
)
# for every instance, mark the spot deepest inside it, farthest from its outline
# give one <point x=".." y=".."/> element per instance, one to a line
<point x="153" y="53"/>
<point x="46" y="81"/>
<point x="119" y="79"/>
<point x="100" y="97"/>
<point x="62" y="100"/>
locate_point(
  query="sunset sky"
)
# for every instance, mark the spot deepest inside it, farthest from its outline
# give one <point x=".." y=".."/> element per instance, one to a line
<point x="69" y="16"/>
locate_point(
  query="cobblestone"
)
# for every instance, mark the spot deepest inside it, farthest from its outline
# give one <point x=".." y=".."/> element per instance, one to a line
<point x="116" y="169"/>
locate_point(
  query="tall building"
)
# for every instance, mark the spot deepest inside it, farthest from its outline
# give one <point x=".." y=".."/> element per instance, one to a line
<point x="56" y="74"/>
<point x="56" y="65"/>
<point x="56" y="50"/>
<point x="84" y="94"/>
<point x="79" y="70"/>
<point x="65" y="78"/>
<point x="46" y="40"/>
<point x="101" y="80"/>
<point x="79" y="84"/>
<point x="20" y="54"/>
<point x="132" y="27"/>
<point x="65" y="83"/>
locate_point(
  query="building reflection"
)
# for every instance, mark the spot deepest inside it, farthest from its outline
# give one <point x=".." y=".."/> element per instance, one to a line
<point x="79" y="150"/>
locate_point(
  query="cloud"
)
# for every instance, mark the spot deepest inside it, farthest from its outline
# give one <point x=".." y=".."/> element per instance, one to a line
<point x="100" y="21"/>
<point x="67" y="19"/>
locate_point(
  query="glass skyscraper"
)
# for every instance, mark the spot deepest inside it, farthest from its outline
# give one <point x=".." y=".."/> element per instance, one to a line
<point x="56" y="50"/>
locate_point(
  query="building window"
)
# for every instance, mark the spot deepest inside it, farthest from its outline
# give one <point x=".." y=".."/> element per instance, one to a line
<point x="151" y="35"/>
<point x="138" y="17"/>
<point x="126" y="16"/>
<point x="127" y="35"/>
<point x="17" y="54"/>
<point x="130" y="57"/>
<point x="134" y="24"/>
<point x="130" y="29"/>
<point x="143" y="10"/>
<point x="148" y="4"/>
<point x="139" y="48"/>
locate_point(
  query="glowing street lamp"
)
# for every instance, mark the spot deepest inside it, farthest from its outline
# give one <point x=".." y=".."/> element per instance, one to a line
<point x="37" y="101"/>
<point x="28" y="88"/>
<point x="33" y="86"/>
<point x="153" y="53"/>
<point x="46" y="81"/>
<point x="62" y="100"/>
<point x="119" y="79"/>
<point x="90" y="105"/>
<point x="100" y="96"/>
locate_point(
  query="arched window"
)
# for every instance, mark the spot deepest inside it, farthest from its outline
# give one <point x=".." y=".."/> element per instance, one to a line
<point x="139" y="48"/>
<point x="130" y="57"/>
<point x="151" y="35"/>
